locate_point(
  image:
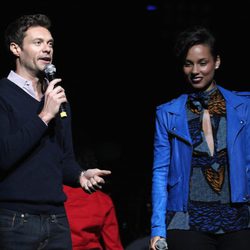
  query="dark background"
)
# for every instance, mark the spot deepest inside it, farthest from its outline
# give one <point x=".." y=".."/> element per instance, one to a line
<point x="117" y="65"/>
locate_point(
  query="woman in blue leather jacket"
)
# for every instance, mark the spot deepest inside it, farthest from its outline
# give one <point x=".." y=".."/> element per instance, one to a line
<point x="201" y="169"/>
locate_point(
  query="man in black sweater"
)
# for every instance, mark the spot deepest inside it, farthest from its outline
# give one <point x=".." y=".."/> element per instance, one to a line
<point x="36" y="151"/>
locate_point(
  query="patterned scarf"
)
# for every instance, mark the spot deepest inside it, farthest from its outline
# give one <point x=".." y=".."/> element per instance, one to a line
<point x="211" y="100"/>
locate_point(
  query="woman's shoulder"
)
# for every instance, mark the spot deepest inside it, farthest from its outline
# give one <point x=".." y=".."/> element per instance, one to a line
<point x="174" y="102"/>
<point x="242" y="93"/>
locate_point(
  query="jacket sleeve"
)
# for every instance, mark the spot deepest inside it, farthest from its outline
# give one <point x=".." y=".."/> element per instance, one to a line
<point x="160" y="173"/>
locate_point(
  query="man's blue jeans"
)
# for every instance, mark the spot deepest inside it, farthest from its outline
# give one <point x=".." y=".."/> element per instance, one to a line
<point x="22" y="231"/>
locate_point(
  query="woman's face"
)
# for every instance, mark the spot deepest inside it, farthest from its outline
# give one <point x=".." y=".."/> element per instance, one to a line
<point x="199" y="67"/>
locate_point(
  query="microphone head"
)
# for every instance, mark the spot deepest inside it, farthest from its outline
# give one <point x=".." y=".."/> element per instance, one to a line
<point x="50" y="71"/>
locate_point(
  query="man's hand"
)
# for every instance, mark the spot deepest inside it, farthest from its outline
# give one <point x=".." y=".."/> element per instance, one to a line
<point x="91" y="179"/>
<point x="53" y="98"/>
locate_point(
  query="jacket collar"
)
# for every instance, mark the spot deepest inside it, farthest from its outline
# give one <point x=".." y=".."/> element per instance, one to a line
<point x="177" y="105"/>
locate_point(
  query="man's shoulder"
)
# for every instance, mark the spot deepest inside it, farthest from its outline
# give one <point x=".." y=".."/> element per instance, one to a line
<point x="4" y="82"/>
<point x="5" y="87"/>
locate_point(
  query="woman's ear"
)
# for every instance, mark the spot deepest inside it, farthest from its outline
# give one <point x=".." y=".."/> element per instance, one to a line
<point x="217" y="62"/>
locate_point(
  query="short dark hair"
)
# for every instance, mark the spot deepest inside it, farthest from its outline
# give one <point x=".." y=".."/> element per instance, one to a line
<point x="193" y="36"/>
<point x="15" y="31"/>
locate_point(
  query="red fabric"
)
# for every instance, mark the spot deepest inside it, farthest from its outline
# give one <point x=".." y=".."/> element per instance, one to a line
<point x="92" y="217"/>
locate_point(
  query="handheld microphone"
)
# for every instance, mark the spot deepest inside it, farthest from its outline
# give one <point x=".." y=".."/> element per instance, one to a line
<point x="50" y="73"/>
<point x="161" y="244"/>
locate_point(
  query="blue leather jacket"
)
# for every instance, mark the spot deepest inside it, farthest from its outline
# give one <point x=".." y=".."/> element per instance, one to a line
<point x="173" y="152"/>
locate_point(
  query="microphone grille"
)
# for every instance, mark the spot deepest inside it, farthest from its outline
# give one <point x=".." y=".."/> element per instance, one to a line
<point x="50" y="69"/>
